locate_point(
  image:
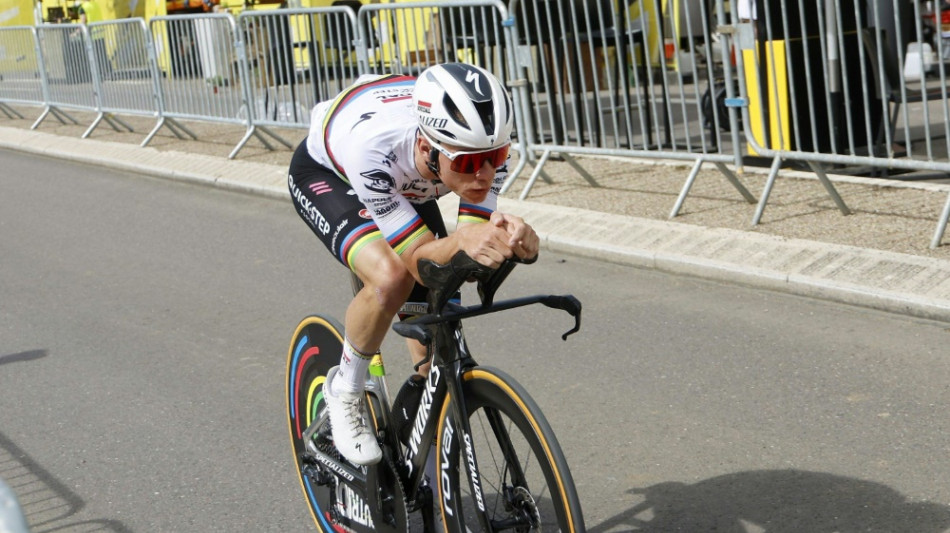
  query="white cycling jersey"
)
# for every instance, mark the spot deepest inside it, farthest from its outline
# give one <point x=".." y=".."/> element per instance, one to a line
<point x="367" y="135"/>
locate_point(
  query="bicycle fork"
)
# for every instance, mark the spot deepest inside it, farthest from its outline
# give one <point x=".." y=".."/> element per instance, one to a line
<point x="457" y="427"/>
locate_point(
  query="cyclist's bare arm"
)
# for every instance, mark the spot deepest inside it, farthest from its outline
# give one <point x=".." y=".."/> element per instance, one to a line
<point x="489" y="243"/>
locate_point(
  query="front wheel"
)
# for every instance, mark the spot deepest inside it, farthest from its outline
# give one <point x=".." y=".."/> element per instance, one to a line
<point x="522" y="475"/>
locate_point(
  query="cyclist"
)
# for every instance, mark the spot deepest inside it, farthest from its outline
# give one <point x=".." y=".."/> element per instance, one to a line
<point x="366" y="180"/>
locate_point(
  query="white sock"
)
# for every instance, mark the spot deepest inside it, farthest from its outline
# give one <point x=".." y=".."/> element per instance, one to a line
<point x="353" y="367"/>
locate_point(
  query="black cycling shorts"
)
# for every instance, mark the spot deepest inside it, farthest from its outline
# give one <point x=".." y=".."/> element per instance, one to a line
<point x="336" y="216"/>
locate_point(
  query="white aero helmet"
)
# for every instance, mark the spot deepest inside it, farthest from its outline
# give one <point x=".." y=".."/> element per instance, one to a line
<point x="463" y="105"/>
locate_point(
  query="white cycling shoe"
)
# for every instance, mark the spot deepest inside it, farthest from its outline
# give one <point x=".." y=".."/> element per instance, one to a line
<point x="352" y="437"/>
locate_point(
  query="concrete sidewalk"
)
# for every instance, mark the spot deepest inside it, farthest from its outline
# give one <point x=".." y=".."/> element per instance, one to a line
<point x="907" y="284"/>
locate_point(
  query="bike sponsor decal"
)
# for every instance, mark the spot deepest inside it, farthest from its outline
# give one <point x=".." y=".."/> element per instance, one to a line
<point x="472" y="77"/>
<point x="379" y="181"/>
<point x="393" y="94"/>
<point x="320" y="187"/>
<point x="434" y="122"/>
<point x="351" y="506"/>
<point x="337" y="469"/>
<point x="414" y="308"/>
<point x="364" y="117"/>
<point x="447" y="467"/>
<point x="473" y="472"/>
<point x="391" y="99"/>
<point x="336" y="233"/>
<point x="425" y="407"/>
<point x="306" y="208"/>
<point x="385" y="209"/>
<point x="376" y="201"/>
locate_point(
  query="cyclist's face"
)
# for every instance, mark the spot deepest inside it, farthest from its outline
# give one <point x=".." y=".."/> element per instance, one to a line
<point x="473" y="186"/>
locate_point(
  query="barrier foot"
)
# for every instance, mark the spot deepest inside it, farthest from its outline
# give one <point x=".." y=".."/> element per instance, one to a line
<point x="263" y="140"/>
<point x="274" y="136"/>
<point x="686" y="187"/>
<point x="178" y="127"/>
<point x="173" y="125"/>
<point x="115" y="122"/>
<point x="9" y="111"/>
<point x="50" y="110"/>
<point x="111" y="120"/>
<point x="247" y="136"/>
<point x="734" y="180"/>
<point x="580" y="170"/>
<point x="830" y="187"/>
<point x="95" y="123"/>
<point x="941" y="225"/>
<point x="41" y="118"/>
<point x="62" y="116"/>
<point x="253" y="130"/>
<point x="538" y="170"/>
<point x="773" y="172"/>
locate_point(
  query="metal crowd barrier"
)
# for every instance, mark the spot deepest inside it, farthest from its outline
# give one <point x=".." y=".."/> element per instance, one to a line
<point x="21" y="68"/>
<point x="296" y="58"/>
<point x="821" y="83"/>
<point x="830" y="85"/>
<point x="127" y="78"/>
<point x="604" y="78"/>
<point x="205" y="74"/>
<point x="66" y="71"/>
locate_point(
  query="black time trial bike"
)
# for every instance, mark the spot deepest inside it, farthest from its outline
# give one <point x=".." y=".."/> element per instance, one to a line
<point x="476" y="455"/>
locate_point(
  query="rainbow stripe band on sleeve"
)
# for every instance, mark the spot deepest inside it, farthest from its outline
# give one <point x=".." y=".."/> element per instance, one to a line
<point x="406" y="235"/>
<point x="357" y="239"/>
<point x="470" y="213"/>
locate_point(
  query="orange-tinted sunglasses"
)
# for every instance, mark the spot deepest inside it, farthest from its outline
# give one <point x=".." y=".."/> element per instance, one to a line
<point x="469" y="162"/>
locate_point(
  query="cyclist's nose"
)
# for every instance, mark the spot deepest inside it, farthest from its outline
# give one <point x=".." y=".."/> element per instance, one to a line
<point x="486" y="172"/>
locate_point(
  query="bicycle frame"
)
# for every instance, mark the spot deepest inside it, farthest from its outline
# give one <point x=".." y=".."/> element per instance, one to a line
<point x="449" y="354"/>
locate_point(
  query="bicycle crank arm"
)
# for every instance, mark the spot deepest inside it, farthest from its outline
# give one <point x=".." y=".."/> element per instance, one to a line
<point x="338" y="468"/>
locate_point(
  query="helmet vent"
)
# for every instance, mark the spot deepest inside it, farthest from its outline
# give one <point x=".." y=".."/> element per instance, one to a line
<point x="486" y="111"/>
<point x="454" y="112"/>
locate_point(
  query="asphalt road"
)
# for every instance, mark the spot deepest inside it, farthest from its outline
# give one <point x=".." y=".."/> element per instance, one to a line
<point x="143" y="333"/>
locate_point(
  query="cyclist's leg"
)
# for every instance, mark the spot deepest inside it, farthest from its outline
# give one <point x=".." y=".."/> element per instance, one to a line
<point x="386" y="285"/>
<point x="340" y="221"/>
<point x="416" y="304"/>
<point x="522" y="473"/>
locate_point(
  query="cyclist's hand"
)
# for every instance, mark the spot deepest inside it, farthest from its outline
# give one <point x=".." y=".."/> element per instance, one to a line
<point x="485" y="243"/>
<point x="522" y="240"/>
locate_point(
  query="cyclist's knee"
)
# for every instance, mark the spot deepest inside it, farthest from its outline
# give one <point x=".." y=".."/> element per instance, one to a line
<point x="390" y="284"/>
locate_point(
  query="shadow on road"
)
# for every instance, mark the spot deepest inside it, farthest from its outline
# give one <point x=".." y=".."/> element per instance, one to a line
<point x="22" y="356"/>
<point x="47" y="504"/>
<point x="776" y="501"/>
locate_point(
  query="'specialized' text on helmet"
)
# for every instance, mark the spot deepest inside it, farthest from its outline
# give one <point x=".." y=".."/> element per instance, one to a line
<point x="463" y="105"/>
